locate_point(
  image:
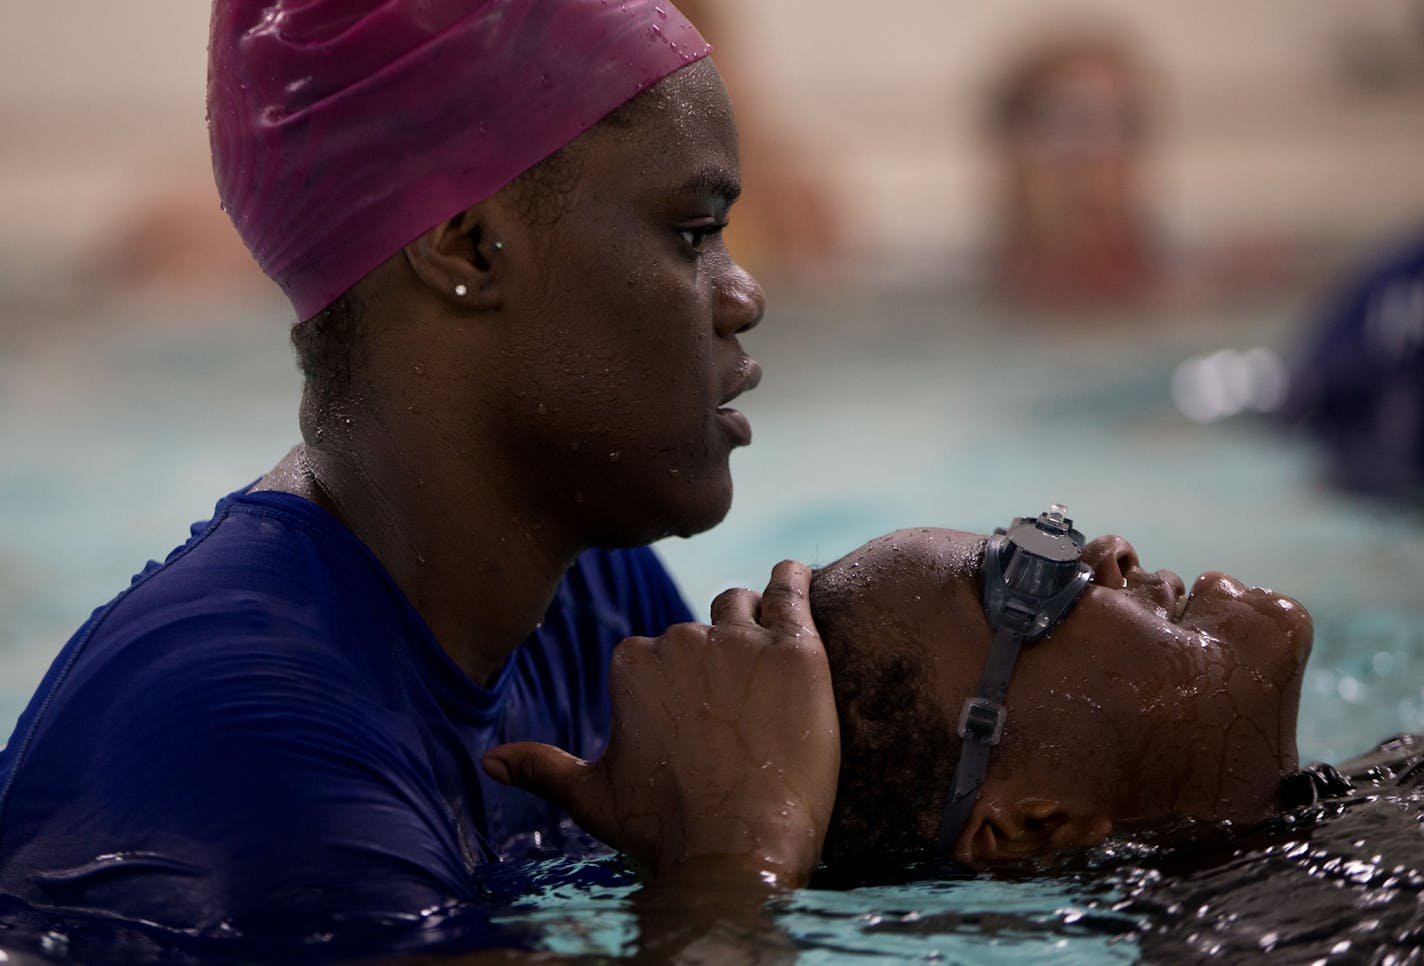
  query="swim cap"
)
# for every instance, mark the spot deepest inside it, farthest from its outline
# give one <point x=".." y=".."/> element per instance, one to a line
<point x="343" y="129"/>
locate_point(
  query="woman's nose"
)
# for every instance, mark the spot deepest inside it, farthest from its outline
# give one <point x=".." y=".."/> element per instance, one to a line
<point x="741" y="303"/>
<point x="1110" y="558"/>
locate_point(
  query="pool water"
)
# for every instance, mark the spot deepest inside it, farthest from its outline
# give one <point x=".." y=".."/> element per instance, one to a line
<point x="878" y="411"/>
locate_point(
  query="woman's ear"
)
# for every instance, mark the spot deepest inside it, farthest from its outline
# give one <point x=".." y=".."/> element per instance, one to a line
<point x="1000" y="831"/>
<point x="460" y="259"/>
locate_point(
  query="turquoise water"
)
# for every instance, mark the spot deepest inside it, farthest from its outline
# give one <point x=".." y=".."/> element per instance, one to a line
<point x="877" y="412"/>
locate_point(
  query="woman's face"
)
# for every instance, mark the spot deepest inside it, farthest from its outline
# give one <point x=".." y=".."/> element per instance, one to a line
<point x="626" y="356"/>
<point x="1144" y="701"/>
<point x="1199" y="691"/>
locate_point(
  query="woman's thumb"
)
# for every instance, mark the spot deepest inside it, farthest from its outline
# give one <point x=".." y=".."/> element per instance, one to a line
<point x="560" y="777"/>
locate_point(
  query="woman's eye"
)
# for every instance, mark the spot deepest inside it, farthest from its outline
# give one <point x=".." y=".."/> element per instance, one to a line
<point x="696" y="236"/>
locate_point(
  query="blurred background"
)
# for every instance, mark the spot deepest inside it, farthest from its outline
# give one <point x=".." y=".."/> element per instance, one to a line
<point x="1161" y="262"/>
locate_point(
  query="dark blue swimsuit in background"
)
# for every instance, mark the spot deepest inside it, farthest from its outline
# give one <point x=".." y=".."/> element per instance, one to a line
<point x="263" y="726"/>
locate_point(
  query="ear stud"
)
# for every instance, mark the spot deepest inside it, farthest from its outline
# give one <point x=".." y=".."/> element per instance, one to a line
<point x="461" y="290"/>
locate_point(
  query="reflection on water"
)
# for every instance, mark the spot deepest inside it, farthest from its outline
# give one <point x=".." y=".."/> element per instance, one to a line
<point x="981" y="920"/>
<point x="1341" y="881"/>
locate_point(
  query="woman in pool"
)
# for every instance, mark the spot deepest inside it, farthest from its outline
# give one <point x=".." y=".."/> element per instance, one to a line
<point x="498" y="223"/>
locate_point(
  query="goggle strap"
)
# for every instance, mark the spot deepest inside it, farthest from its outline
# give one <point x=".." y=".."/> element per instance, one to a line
<point x="981" y="723"/>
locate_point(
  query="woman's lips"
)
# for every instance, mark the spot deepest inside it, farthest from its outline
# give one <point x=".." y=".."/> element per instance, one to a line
<point x="1177" y="593"/>
<point x="737" y="425"/>
<point x="1229" y="586"/>
<point x="1204" y="584"/>
<point x="1293" y="620"/>
<point x="747" y="377"/>
<point x="1163" y="588"/>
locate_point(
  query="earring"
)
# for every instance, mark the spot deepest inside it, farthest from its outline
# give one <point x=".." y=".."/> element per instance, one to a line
<point x="499" y="246"/>
<point x="461" y="290"/>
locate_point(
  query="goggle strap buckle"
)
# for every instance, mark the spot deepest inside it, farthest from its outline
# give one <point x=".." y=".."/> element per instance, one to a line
<point x="982" y="720"/>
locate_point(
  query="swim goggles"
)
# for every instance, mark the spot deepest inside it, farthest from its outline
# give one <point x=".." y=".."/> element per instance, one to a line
<point x="1032" y="577"/>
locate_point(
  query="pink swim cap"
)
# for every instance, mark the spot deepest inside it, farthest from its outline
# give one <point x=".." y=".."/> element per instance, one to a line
<point x="343" y="129"/>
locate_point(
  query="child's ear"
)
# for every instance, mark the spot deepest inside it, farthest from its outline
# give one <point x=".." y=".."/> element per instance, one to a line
<point x="1000" y="831"/>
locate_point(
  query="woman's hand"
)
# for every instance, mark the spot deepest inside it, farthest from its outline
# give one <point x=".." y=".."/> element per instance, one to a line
<point x="725" y="745"/>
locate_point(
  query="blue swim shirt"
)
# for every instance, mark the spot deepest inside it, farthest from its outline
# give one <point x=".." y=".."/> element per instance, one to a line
<point x="262" y="729"/>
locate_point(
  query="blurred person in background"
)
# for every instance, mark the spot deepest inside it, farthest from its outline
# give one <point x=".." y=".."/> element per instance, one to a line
<point x="1069" y="121"/>
<point x="1357" y="384"/>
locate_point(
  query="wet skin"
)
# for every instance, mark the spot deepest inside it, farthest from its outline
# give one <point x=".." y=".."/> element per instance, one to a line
<point x="575" y="392"/>
<point x="1143" y="703"/>
<point x="620" y="421"/>
<point x="722" y="763"/>
<point x="537" y="380"/>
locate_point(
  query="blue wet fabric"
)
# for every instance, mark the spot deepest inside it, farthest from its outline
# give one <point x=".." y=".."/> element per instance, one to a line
<point x="262" y="731"/>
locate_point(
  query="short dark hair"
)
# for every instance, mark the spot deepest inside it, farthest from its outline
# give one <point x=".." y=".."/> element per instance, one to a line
<point x="328" y="346"/>
<point x="898" y="750"/>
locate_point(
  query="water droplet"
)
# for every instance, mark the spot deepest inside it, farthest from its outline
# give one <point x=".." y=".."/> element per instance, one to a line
<point x="614" y="456"/>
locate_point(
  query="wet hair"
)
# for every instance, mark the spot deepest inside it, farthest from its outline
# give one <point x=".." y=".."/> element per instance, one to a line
<point x="898" y="749"/>
<point x="328" y="346"/>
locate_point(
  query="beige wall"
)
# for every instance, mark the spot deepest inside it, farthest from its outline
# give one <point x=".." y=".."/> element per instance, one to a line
<point x="101" y="104"/>
<point x="101" y="108"/>
<point x="1262" y="127"/>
